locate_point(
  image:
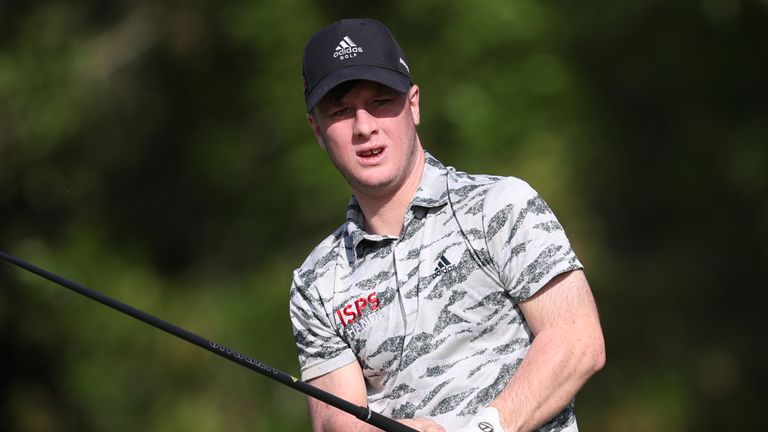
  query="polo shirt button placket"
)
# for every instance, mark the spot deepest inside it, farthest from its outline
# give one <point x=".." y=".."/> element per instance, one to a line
<point x="409" y="305"/>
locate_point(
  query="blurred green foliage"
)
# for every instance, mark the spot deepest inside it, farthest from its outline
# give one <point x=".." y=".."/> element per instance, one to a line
<point x="158" y="152"/>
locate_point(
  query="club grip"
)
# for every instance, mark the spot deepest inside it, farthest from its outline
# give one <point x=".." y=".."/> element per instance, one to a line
<point x="387" y="423"/>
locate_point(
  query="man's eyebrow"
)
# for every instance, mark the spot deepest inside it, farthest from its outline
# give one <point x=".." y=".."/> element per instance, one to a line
<point x="330" y="103"/>
<point x="333" y="103"/>
<point x="384" y="90"/>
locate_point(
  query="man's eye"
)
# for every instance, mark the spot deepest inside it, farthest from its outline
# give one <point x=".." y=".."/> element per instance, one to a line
<point x="341" y="112"/>
<point x="381" y="102"/>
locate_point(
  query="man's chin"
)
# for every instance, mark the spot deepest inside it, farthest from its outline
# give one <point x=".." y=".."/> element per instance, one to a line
<point x="374" y="187"/>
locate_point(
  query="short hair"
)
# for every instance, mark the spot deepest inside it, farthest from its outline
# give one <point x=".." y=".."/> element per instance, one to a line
<point x="336" y="94"/>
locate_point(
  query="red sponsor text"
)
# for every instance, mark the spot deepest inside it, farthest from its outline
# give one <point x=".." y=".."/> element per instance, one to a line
<point x="354" y="310"/>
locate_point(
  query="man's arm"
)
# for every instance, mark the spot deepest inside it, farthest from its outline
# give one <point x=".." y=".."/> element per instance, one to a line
<point x="347" y="383"/>
<point x="567" y="349"/>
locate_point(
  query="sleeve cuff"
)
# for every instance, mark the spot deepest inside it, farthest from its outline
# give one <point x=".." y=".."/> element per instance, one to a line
<point x="321" y="368"/>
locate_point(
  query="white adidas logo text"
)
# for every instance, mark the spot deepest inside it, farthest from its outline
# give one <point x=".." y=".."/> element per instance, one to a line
<point x="347" y="49"/>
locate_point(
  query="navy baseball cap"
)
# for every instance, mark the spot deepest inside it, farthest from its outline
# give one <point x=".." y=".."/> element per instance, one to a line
<point x="352" y="49"/>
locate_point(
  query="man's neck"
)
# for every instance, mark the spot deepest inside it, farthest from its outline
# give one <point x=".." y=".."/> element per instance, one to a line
<point x="384" y="214"/>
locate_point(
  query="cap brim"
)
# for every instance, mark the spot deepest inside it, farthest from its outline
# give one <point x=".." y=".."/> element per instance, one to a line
<point x="388" y="77"/>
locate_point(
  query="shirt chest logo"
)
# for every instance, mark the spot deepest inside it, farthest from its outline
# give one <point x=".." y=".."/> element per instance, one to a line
<point x="443" y="265"/>
<point x="353" y="310"/>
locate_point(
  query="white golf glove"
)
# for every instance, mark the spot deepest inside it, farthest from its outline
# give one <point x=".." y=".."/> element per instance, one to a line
<point x="486" y="420"/>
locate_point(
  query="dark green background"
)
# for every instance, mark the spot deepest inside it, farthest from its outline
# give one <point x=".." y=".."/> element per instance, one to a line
<point x="158" y="152"/>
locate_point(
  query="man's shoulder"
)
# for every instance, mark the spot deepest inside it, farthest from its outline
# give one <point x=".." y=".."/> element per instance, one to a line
<point x="324" y="254"/>
<point x="497" y="187"/>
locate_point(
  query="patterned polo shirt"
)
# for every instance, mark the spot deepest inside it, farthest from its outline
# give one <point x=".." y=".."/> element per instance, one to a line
<point x="432" y="316"/>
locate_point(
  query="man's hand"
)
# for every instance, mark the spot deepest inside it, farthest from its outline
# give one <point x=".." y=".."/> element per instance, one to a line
<point x="423" y="424"/>
<point x="486" y="420"/>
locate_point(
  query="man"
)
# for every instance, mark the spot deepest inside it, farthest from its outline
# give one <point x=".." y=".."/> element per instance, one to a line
<point x="447" y="301"/>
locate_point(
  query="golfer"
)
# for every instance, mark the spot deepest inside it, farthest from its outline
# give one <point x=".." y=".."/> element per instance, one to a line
<point x="447" y="301"/>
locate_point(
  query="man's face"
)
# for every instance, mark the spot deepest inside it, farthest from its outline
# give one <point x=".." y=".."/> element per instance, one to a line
<point x="370" y="136"/>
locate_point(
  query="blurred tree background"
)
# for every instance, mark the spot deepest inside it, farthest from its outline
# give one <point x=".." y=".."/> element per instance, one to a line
<point x="157" y="151"/>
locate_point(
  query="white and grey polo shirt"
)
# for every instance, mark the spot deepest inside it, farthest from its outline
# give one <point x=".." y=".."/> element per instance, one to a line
<point x="432" y="316"/>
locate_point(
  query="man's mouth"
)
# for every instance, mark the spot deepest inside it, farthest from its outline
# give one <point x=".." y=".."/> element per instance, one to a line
<point x="370" y="153"/>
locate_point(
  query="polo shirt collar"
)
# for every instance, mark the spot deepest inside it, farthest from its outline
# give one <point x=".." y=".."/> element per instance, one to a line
<point x="430" y="193"/>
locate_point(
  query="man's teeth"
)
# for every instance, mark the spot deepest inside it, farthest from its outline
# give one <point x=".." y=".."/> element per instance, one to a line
<point x="370" y="153"/>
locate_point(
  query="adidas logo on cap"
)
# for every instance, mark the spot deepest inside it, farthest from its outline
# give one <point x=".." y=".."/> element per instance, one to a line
<point x="347" y="49"/>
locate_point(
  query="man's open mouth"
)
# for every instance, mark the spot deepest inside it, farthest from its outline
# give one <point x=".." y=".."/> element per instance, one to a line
<point x="370" y="153"/>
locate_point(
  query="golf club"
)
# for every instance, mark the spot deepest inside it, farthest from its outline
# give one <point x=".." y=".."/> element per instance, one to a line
<point x="362" y="413"/>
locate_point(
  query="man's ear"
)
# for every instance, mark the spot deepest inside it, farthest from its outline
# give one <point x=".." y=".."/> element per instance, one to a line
<point x="316" y="129"/>
<point x="413" y="103"/>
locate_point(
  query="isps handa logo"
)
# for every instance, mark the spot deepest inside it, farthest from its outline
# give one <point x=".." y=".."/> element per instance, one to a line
<point x="354" y="310"/>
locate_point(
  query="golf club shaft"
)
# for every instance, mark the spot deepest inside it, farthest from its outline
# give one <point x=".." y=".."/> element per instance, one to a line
<point x="362" y="413"/>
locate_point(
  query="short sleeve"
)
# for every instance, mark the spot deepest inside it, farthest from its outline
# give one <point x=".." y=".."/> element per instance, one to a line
<point x="525" y="239"/>
<point x="320" y="349"/>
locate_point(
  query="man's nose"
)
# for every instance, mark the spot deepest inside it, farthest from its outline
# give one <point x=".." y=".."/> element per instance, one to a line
<point x="365" y="124"/>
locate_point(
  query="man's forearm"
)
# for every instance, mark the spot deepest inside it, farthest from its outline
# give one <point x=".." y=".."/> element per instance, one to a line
<point x="555" y="368"/>
<point x="342" y="422"/>
<point x="567" y="349"/>
<point x="326" y="418"/>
